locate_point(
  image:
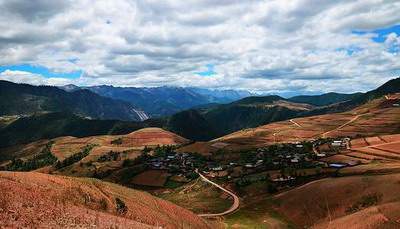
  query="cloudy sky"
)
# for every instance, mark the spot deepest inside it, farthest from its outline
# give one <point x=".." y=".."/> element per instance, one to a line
<point x="282" y="46"/>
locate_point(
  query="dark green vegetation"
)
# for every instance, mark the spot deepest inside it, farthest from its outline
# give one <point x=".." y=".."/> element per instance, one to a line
<point x="44" y="158"/>
<point x="324" y="99"/>
<point x="110" y="156"/>
<point x="74" y="158"/>
<point x="24" y="99"/>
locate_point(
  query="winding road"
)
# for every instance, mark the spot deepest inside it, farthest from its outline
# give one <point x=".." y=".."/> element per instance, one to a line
<point x="236" y="201"/>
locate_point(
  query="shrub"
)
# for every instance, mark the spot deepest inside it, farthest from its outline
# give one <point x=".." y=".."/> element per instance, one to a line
<point x="122" y="209"/>
<point x="117" y="141"/>
<point x="364" y="202"/>
<point x="110" y="156"/>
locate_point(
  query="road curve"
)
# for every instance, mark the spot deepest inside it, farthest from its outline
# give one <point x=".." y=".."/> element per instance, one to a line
<point x="236" y="201"/>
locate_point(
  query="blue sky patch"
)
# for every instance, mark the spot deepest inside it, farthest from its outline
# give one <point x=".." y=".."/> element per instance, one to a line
<point x="350" y="50"/>
<point x="209" y="72"/>
<point x="40" y="70"/>
<point x="381" y="34"/>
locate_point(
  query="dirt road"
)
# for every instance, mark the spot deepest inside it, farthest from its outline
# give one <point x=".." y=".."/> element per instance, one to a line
<point x="236" y="201"/>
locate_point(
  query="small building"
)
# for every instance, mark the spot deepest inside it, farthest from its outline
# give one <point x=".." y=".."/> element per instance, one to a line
<point x="217" y="168"/>
<point x="337" y="165"/>
<point x="294" y="160"/>
<point x="337" y="144"/>
<point x="171" y="157"/>
<point x="258" y="163"/>
<point x="282" y="179"/>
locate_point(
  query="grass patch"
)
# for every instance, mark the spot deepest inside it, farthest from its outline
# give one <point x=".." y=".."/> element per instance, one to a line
<point x="257" y="215"/>
<point x="199" y="197"/>
<point x="172" y="184"/>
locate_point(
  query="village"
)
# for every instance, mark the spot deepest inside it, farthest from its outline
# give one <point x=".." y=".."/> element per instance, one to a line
<point x="280" y="163"/>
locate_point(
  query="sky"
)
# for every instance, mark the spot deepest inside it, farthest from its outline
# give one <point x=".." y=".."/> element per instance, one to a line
<point x="273" y="47"/>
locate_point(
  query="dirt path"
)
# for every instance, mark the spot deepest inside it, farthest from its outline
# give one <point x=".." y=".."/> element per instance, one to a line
<point x="295" y="123"/>
<point x="236" y="201"/>
<point x="340" y="127"/>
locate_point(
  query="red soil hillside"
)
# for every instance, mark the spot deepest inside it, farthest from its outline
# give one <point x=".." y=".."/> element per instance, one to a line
<point x="39" y="200"/>
<point x="377" y="117"/>
<point x="351" y="202"/>
<point x="65" y="146"/>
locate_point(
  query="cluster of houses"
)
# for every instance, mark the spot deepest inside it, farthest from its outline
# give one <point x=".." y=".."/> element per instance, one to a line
<point x="295" y="156"/>
<point x="184" y="163"/>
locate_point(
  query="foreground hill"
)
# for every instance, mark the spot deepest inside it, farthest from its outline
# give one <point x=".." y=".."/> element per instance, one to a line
<point x="24" y="99"/>
<point x="357" y="202"/>
<point x="39" y="200"/>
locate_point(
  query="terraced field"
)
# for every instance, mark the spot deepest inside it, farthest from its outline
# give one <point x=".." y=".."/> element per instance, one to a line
<point x="384" y="147"/>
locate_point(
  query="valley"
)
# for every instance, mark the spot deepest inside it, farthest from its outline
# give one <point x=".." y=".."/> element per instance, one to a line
<point x="200" y="114"/>
<point x="245" y="179"/>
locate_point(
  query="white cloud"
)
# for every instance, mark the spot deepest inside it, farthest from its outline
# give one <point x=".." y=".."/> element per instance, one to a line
<point x="34" y="79"/>
<point x="267" y="46"/>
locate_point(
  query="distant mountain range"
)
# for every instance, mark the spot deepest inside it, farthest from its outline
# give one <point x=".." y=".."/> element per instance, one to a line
<point x="204" y="122"/>
<point x="164" y="101"/>
<point x="24" y="99"/>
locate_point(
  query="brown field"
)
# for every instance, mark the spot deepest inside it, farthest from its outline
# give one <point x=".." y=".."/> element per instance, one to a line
<point x="329" y="200"/>
<point x="372" y="168"/>
<point x="386" y="147"/>
<point x="374" y="140"/>
<point x="339" y="158"/>
<point x="48" y="201"/>
<point x="393" y="147"/>
<point x="154" y="178"/>
<point x="363" y="156"/>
